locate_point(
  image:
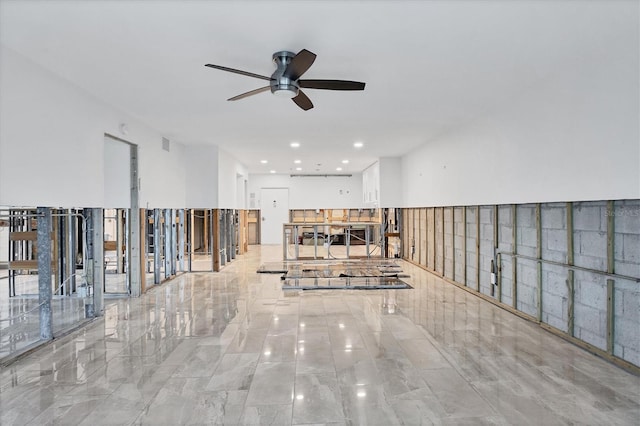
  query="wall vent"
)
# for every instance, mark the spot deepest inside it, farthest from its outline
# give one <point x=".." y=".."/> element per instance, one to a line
<point x="166" y="144"/>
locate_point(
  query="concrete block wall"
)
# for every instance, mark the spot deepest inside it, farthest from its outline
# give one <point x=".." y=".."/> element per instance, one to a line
<point x="458" y="244"/>
<point x="431" y="242"/>
<point x="600" y="250"/>
<point x="472" y="242"/>
<point x="486" y="248"/>
<point x="448" y="242"/>
<point x="505" y="244"/>
<point x="439" y="267"/>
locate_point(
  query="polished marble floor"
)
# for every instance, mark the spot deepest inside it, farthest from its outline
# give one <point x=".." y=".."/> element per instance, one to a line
<point x="233" y="348"/>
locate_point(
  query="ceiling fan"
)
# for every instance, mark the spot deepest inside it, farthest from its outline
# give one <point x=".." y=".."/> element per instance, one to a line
<point x="285" y="81"/>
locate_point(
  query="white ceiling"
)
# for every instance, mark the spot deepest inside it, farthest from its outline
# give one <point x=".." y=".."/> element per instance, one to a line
<point x="430" y="66"/>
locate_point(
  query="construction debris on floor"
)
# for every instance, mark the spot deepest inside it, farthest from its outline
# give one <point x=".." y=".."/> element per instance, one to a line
<point x="338" y="275"/>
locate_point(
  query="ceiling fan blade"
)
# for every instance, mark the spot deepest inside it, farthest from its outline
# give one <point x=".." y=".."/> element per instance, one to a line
<point x="247" y="73"/>
<point x="299" y="64"/>
<point x="303" y="101"/>
<point x="331" y="84"/>
<point x="250" y="93"/>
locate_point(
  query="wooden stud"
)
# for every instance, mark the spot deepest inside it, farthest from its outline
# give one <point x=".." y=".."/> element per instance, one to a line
<point x="453" y="242"/>
<point x="444" y="251"/>
<point x="478" y="249"/>
<point x="514" y="259"/>
<point x="610" y="282"/>
<point x="539" y="256"/>
<point x="570" y="277"/>
<point x="464" y="245"/>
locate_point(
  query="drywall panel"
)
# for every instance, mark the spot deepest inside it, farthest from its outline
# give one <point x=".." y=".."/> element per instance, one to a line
<point x="311" y="192"/>
<point x="117" y="173"/>
<point x="390" y="182"/>
<point x="573" y="136"/>
<point x="202" y="176"/>
<point x="229" y="168"/>
<point x="52" y="143"/>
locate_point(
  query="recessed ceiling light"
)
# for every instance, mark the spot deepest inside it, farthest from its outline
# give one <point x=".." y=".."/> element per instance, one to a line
<point x="339" y="169"/>
<point x="345" y="161"/>
<point x="298" y="168"/>
<point x="358" y="145"/>
<point x="272" y="171"/>
<point x="294" y="144"/>
<point x="264" y="161"/>
<point x="297" y="161"/>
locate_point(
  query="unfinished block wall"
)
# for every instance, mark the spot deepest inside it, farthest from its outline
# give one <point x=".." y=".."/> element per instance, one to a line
<point x="573" y="267"/>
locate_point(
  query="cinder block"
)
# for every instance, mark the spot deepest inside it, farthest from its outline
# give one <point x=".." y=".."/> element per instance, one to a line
<point x="555" y="283"/>
<point x="486" y="214"/>
<point x="589" y="318"/>
<point x="471" y="231"/>
<point x="552" y="320"/>
<point x="527" y="237"/>
<point x="589" y="216"/>
<point x="553" y="217"/>
<point x="631" y="356"/>
<point x="486" y="232"/>
<point x="526" y="216"/>
<point x="589" y="337"/>
<point x="505" y="236"/>
<point x="590" y="291"/>
<point x="597" y="263"/>
<point x="626" y="216"/>
<point x="471" y="215"/>
<point x="627" y="335"/>
<point x="631" y="250"/>
<point x="504" y="215"/>
<point x="553" y="305"/>
<point x="527" y="275"/>
<point x="555" y="240"/>
<point x="593" y="243"/>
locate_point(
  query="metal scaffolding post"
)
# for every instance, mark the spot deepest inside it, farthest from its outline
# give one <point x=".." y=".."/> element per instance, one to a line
<point x="44" y="273"/>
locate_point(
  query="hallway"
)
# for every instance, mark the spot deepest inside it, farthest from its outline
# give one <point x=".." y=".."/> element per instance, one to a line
<point x="233" y="348"/>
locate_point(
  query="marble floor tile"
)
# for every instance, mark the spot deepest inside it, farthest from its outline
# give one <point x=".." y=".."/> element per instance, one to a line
<point x="316" y="399"/>
<point x="205" y="348"/>
<point x="234" y="372"/>
<point x="267" y="415"/>
<point x="272" y="384"/>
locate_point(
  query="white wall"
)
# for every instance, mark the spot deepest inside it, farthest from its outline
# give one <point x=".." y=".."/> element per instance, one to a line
<point x="51" y="143"/>
<point x="371" y="185"/>
<point x="117" y="173"/>
<point x="312" y="192"/>
<point x="390" y="182"/>
<point x="574" y="136"/>
<point x="228" y="170"/>
<point x="202" y="176"/>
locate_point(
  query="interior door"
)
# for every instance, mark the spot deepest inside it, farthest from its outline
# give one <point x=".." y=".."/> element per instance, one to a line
<point x="275" y="211"/>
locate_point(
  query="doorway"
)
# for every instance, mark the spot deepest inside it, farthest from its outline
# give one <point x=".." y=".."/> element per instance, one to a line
<point x="275" y="212"/>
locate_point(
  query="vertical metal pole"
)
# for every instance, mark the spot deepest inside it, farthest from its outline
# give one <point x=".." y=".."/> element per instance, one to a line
<point x="296" y="243"/>
<point x="136" y="238"/>
<point x="119" y="241"/>
<point x="167" y="243"/>
<point x="97" y="262"/>
<point x="181" y="231"/>
<point x="44" y="273"/>
<point x="157" y="246"/>
<point x="570" y="278"/>
<point x="71" y="252"/>
<point x="433" y="233"/>
<point x="514" y="259"/>
<point x="174" y="241"/>
<point x="366" y="238"/>
<point x="315" y="241"/>
<point x="610" y="282"/>
<point x="539" y="256"/>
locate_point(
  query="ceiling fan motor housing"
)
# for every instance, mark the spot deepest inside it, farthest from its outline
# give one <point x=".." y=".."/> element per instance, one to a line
<point x="280" y="84"/>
